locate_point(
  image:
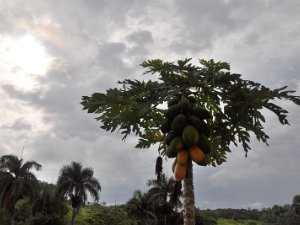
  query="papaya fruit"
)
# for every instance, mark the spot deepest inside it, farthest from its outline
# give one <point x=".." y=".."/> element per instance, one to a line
<point x="166" y="126"/>
<point x="190" y="135"/>
<point x="201" y="113"/>
<point x="173" y="111"/>
<point x="204" y="144"/>
<point x="179" y="172"/>
<point x="176" y="144"/>
<point x="178" y="124"/>
<point x="199" y="124"/>
<point x="182" y="157"/>
<point x="196" y="154"/>
<point x="204" y="162"/>
<point x="185" y="105"/>
<point x="192" y="99"/>
<point x="171" y="153"/>
<point x="169" y="138"/>
<point x="173" y="101"/>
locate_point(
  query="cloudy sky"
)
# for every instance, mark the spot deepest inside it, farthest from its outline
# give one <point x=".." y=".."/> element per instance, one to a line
<point x="53" y="52"/>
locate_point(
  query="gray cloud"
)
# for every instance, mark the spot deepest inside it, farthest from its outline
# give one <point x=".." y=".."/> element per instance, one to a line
<point x="19" y="124"/>
<point x="140" y="37"/>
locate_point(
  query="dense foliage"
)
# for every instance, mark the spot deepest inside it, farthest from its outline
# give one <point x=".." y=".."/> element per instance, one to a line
<point x="235" y="104"/>
<point x="16" y="183"/>
<point x="122" y="215"/>
<point x="205" y="100"/>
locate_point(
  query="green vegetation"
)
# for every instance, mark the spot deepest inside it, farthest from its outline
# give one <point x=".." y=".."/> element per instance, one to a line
<point x="53" y="204"/>
<point x="240" y="222"/>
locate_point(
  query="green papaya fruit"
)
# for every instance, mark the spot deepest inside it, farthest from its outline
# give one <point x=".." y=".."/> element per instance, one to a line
<point x="173" y="111"/>
<point x="201" y="113"/>
<point x="170" y="153"/>
<point x="169" y="138"/>
<point x="185" y="104"/>
<point x="192" y="99"/>
<point x="176" y="144"/>
<point x="179" y="122"/>
<point x="204" y="144"/>
<point x="190" y="135"/>
<point x="166" y="126"/>
<point x="199" y="124"/>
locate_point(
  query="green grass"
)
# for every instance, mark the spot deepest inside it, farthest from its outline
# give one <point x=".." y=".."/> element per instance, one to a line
<point x="239" y="222"/>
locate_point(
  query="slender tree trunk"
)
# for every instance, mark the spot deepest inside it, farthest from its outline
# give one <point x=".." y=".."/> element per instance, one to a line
<point x="165" y="207"/>
<point x="12" y="216"/>
<point x="73" y="216"/>
<point x="189" y="197"/>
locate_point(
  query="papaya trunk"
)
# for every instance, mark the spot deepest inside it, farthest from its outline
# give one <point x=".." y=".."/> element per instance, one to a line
<point x="73" y="216"/>
<point x="12" y="218"/>
<point x="189" y="197"/>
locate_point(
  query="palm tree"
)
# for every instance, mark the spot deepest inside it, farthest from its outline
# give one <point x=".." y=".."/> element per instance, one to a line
<point x="75" y="181"/>
<point x="159" y="192"/>
<point x="140" y="206"/>
<point x="16" y="182"/>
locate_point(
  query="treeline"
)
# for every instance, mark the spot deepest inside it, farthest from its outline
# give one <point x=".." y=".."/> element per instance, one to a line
<point x="43" y="203"/>
<point x="276" y="215"/>
<point x="24" y="200"/>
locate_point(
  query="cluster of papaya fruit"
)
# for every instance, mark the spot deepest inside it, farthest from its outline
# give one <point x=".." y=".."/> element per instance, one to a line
<point x="186" y="133"/>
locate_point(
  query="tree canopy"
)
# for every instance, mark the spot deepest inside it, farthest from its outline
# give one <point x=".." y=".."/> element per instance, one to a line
<point x="16" y="182"/>
<point x="235" y="104"/>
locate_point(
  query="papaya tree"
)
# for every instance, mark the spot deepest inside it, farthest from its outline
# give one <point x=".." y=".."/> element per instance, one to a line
<point x="193" y="112"/>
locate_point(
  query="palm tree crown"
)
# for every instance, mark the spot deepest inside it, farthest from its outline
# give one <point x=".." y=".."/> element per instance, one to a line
<point x="16" y="182"/>
<point x="160" y="190"/>
<point x="75" y="181"/>
<point x="140" y="206"/>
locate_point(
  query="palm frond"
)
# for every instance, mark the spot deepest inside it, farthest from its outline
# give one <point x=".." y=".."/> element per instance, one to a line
<point x="31" y="164"/>
<point x="76" y="181"/>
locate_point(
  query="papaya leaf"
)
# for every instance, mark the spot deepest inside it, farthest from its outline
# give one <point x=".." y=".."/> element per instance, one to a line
<point x="138" y="107"/>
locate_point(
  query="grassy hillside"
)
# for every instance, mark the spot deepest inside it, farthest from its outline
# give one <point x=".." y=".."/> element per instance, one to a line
<point x="239" y="222"/>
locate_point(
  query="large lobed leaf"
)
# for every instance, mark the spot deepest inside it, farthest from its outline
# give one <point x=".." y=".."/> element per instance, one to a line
<point x="235" y="104"/>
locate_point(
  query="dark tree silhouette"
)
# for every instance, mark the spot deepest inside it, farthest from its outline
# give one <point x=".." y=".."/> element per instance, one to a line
<point x="16" y="182"/>
<point x="140" y="207"/>
<point x="75" y="181"/>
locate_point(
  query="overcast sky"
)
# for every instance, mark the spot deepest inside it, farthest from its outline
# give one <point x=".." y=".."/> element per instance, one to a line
<point x="52" y="52"/>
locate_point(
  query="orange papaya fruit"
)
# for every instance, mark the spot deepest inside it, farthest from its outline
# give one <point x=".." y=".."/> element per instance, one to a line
<point x="196" y="154"/>
<point x="179" y="172"/>
<point x="182" y="157"/>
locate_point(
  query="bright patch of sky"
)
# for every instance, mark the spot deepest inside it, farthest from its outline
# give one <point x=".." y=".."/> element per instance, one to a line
<point x="22" y="60"/>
